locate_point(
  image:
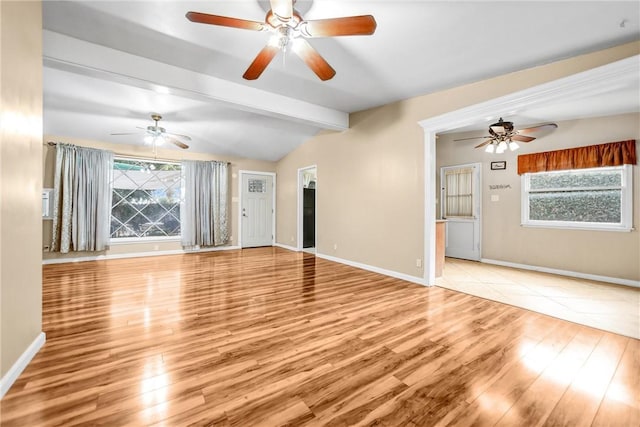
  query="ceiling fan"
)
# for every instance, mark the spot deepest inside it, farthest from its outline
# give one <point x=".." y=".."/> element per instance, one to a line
<point x="155" y="135"/>
<point x="289" y="29"/>
<point x="503" y="134"/>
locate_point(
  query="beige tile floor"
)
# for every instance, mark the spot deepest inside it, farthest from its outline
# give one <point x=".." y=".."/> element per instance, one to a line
<point x="604" y="306"/>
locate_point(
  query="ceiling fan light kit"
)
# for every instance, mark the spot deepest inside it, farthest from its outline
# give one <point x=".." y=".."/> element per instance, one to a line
<point x="289" y="29"/>
<point x="503" y="135"/>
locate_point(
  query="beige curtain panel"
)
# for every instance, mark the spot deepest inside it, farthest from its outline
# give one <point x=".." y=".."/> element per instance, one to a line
<point x="204" y="218"/>
<point x="592" y="156"/>
<point x="82" y="199"/>
<point x="459" y="192"/>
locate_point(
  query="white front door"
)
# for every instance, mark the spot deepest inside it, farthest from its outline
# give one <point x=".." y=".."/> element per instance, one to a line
<point x="460" y="206"/>
<point x="257" y="214"/>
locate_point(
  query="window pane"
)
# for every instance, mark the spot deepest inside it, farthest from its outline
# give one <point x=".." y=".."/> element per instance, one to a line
<point x="576" y="179"/>
<point x="581" y="206"/>
<point x="459" y="192"/>
<point x="146" y="199"/>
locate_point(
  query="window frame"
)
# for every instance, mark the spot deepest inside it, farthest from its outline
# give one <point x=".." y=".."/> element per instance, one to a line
<point x="149" y="239"/>
<point x="626" y="207"/>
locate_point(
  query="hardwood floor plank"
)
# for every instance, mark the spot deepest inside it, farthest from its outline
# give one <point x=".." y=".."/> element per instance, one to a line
<point x="272" y="337"/>
<point x="556" y="372"/>
<point x="580" y="402"/>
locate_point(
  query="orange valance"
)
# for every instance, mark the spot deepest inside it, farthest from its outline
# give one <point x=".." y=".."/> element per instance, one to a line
<point x="592" y="156"/>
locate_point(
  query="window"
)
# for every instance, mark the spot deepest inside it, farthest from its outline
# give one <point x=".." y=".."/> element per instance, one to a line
<point x="596" y="198"/>
<point x="146" y="199"/>
<point x="458" y="192"/>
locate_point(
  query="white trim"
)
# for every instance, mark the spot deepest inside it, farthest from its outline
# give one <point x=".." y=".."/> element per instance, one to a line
<point x="584" y="226"/>
<point x="115" y="241"/>
<point x="390" y="273"/>
<point x="137" y="255"/>
<point x="607" y="279"/>
<point x="597" y="80"/>
<point x="23" y="361"/>
<point x="430" y="207"/>
<point x="273" y="203"/>
<point x="287" y="247"/>
<point x="300" y="216"/>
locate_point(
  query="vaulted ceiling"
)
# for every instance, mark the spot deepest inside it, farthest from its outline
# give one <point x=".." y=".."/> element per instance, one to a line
<point x="109" y="64"/>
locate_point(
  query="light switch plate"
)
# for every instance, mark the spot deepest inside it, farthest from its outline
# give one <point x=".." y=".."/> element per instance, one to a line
<point x="495" y="198"/>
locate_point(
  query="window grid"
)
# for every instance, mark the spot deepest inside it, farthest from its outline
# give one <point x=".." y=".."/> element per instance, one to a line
<point x="146" y="199"/>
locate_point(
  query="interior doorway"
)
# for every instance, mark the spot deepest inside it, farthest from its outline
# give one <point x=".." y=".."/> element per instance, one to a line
<point x="600" y="79"/>
<point x="307" y="196"/>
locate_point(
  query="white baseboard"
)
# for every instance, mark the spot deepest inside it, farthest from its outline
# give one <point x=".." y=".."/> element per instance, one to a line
<point x="390" y="273"/>
<point x="14" y="372"/>
<point x="136" y="255"/>
<point x="607" y="279"/>
<point x="291" y="248"/>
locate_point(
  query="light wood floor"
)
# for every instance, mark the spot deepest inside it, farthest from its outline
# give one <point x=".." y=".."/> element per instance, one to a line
<point x="272" y="337"/>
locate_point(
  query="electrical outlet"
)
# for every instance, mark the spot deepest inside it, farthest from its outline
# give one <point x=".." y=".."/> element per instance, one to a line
<point x="418" y="263"/>
<point x="156" y="247"/>
<point x="292" y="238"/>
<point x="335" y="246"/>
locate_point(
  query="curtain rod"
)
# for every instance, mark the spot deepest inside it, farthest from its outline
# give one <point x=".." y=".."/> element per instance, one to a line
<point x="126" y="157"/>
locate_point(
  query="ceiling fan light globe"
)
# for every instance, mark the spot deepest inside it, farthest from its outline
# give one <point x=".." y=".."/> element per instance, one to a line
<point x="159" y="140"/>
<point x="148" y="140"/>
<point x="513" y="146"/>
<point x="274" y="40"/>
<point x="502" y="146"/>
<point x="490" y="148"/>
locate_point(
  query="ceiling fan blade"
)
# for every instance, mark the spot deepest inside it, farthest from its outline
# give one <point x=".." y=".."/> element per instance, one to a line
<point x="363" y="25"/>
<point x="177" y="135"/>
<point x="313" y="59"/>
<point x="260" y="62"/>
<point x="540" y="127"/>
<point x="224" y="21"/>
<point x="176" y="142"/>
<point x="475" y="137"/>
<point x="283" y="9"/>
<point x="127" y="133"/>
<point x="488" y="141"/>
<point x="522" y="138"/>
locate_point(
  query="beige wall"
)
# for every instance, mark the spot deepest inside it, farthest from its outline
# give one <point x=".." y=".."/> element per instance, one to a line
<point x="21" y="178"/>
<point x="605" y="253"/>
<point x="370" y="195"/>
<point x="237" y="164"/>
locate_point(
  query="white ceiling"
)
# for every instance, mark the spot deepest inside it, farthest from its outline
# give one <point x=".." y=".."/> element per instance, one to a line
<point x="108" y="80"/>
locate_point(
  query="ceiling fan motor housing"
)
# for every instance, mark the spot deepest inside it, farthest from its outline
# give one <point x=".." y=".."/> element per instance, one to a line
<point x="156" y="130"/>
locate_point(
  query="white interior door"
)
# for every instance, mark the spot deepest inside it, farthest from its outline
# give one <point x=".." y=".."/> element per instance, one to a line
<point x="257" y="213"/>
<point x="460" y="206"/>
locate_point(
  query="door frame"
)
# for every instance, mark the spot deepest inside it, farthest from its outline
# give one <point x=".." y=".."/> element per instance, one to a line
<point x="477" y="204"/>
<point x="300" y="193"/>
<point x="590" y="81"/>
<point x="241" y="174"/>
